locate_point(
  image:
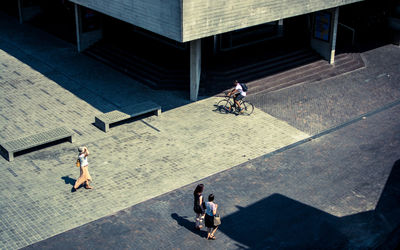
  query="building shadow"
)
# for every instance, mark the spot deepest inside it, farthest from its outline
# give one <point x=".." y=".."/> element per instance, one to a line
<point x="279" y="222"/>
<point x="188" y="224"/>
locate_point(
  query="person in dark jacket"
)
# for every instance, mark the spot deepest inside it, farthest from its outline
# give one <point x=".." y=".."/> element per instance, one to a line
<point x="199" y="205"/>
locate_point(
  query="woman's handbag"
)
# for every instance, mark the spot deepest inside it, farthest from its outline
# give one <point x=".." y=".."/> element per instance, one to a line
<point x="78" y="163"/>
<point x="217" y="220"/>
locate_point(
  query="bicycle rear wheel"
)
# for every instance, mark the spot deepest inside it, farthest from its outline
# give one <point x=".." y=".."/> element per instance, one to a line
<point x="224" y="106"/>
<point x="248" y="108"/>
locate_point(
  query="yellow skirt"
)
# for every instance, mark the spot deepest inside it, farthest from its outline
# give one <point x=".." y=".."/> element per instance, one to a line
<point x="84" y="176"/>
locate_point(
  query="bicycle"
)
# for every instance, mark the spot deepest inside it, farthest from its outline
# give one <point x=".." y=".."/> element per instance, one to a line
<point x="228" y="106"/>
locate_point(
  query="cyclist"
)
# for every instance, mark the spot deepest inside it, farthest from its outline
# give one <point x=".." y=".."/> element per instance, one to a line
<point x="238" y="94"/>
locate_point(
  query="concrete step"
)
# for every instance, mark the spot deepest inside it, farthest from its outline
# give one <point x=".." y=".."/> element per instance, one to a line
<point x="155" y="76"/>
<point x="255" y="74"/>
<point x="309" y="73"/>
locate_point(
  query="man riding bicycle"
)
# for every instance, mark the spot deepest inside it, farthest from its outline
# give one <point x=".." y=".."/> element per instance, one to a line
<point x="238" y="94"/>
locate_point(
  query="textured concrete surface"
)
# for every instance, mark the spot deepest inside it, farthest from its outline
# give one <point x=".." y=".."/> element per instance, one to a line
<point x="318" y="106"/>
<point x="337" y="191"/>
<point x="133" y="162"/>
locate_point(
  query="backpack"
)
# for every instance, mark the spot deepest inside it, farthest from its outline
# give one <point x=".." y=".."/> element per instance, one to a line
<point x="244" y="87"/>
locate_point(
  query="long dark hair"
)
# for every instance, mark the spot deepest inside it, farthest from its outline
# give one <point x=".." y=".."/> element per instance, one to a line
<point x="199" y="189"/>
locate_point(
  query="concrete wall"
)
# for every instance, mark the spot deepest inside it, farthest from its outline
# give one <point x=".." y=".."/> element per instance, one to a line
<point x="187" y="20"/>
<point x="159" y="16"/>
<point x="202" y="18"/>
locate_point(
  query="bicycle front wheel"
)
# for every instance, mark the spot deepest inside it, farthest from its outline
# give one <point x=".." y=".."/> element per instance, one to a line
<point x="224" y="106"/>
<point x="248" y="108"/>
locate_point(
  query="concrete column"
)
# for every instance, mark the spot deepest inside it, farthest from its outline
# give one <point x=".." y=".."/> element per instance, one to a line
<point x="85" y="39"/>
<point x="280" y="27"/>
<point x="326" y="47"/>
<point x="27" y="12"/>
<point x="21" y="20"/>
<point x="195" y="68"/>
<point x="394" y="24"/>
<point x="215" y="44"/>
<point x="334" y="35"/>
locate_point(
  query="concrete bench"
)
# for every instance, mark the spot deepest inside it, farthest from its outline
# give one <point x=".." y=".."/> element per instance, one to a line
<point x="9" y="148"/>
<point x="103" y="121"/>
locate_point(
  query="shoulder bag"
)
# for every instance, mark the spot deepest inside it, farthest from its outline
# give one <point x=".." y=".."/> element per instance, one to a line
<point x="217" y="220"/>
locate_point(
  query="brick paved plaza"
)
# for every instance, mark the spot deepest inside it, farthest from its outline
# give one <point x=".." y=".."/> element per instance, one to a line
<point x="281" y="190"/>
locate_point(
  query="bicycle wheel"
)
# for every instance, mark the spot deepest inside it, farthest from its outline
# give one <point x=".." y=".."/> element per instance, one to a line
<point x="248" y="108"/>
<point x="224" y="106"/>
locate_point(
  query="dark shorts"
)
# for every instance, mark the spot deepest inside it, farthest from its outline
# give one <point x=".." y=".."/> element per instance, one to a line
<point x="238" y="97"/>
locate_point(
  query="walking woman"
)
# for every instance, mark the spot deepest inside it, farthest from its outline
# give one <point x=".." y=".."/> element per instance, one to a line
<point x="84" y="172"/>
<point x="198" y="205"/>
<point x="211" y="210"/>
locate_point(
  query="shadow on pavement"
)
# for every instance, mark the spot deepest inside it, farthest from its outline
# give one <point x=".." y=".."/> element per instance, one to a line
<point x="69" y="180"/>
<point x="276" y="222"/>
<point x="188" y="224"/>
<point x="280" y="222"/>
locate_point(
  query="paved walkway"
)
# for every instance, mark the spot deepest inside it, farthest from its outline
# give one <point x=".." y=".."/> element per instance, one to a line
<point x="145" y="171"/>
<point x="339" y="191"/>
<point x="45" y="85"/>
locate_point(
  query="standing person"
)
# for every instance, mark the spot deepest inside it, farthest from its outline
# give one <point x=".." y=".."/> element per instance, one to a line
<point x="198" y="205"/>
<point x="239" y="92"/>
<point x="211" y="210"/>
<point x="84" y="176"/>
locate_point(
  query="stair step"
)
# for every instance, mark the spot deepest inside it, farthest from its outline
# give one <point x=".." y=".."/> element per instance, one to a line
<point x="344" y="64"/>
<point x="139" y="68"/>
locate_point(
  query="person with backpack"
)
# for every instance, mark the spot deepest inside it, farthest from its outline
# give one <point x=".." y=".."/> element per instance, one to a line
<point x="239" y="92"/>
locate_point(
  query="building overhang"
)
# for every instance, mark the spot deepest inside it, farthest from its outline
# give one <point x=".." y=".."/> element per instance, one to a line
<point x="188" y="20"/>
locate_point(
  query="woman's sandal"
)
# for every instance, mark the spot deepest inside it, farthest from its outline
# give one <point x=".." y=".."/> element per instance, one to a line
<point x="212" y="237"/>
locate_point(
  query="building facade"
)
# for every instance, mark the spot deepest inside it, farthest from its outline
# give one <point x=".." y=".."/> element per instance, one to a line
<point x="226" y="24"/>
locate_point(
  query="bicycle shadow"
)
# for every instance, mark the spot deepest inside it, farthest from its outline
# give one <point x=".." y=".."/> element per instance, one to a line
<point x="225" y="110"/>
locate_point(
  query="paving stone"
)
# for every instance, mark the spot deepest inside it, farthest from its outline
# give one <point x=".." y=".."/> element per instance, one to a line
<point x="153" y="163"/>
<point x="134" y="162"/>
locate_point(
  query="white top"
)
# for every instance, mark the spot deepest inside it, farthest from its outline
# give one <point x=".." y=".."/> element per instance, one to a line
<point x="83" y="159"/>
<point x="239" y="88"/>
<point x="210" y="207"/>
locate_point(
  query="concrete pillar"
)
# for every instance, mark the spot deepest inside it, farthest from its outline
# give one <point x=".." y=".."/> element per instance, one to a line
<point x="195" y="68"/>
<point x="215" y="44"/>
<point x="27" y="12"/>
<point x="85" y="38"/>
<point x="323" y="39"/>
<point x="394" y="24"/>
<point x="21" y="20"/>
<point x="334" y="35"/>
<point x="280" y="27"/>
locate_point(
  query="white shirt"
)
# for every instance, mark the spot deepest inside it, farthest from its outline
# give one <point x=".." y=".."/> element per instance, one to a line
<point x="83" y="159"/>
<point x="210" y="207"/>
<point x="239" y="88"/>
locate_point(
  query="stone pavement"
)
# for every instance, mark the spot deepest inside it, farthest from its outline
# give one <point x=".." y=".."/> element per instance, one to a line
<point x="339" y="191"/>
<point x="315" y="186"/>
<point x="47" y="85"/>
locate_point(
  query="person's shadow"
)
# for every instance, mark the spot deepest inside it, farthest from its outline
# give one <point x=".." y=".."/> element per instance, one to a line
<point x="69" y="180"/>
<point x="189" y="225"/>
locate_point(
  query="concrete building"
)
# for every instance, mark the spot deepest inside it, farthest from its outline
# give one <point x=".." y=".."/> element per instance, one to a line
<point x="192" y="25"/>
